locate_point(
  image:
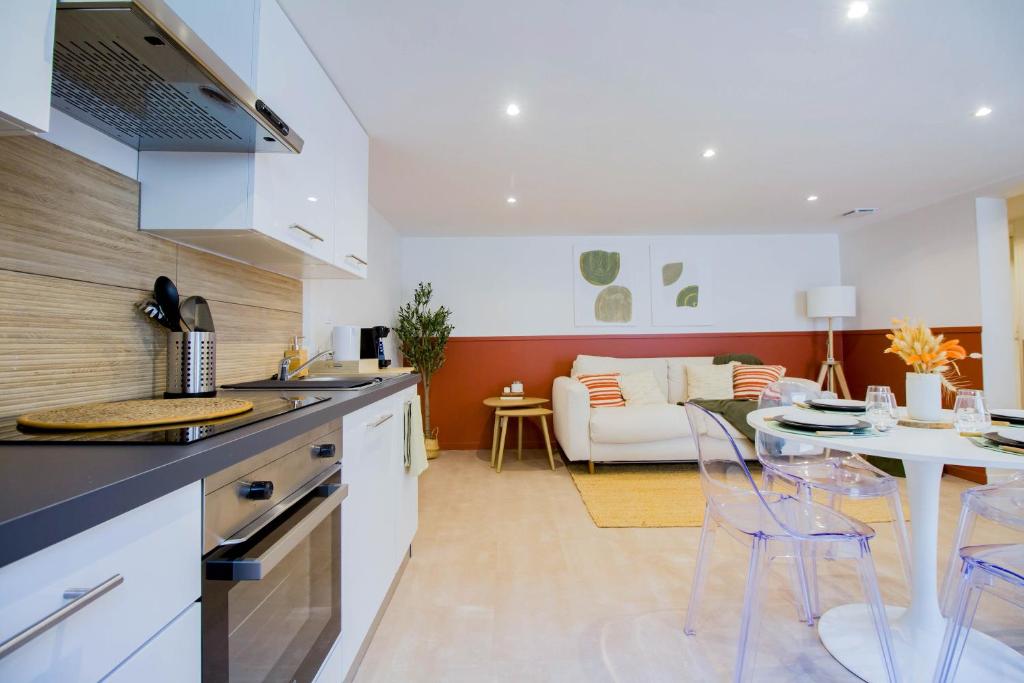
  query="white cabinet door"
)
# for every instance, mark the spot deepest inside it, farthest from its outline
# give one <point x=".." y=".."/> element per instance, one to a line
<point x="299" y="187"/>
<point x="352" y="192"/>
<point x="134" y="574"/>
<point x="228" y="27"/>
<point x="172" y="656"/>
<point x="26" y="55"/>
<point x="407" y="486"/>
<point x="368" y="520"/>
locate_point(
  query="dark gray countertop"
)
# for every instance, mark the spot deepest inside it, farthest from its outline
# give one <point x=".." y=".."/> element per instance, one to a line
<point x="53" y="491"/>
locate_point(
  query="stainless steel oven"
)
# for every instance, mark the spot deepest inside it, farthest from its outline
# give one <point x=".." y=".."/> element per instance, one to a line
<point x="271" y="600"/>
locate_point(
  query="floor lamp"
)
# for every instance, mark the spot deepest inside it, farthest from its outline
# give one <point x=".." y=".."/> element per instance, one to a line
<point x="832" y="302"/>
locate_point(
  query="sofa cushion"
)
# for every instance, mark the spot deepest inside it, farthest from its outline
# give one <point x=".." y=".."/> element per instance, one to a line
<point x="710" y="382"/>
<point x="641" y="389"/>
<point x="588" y="365"/>
<point x="604" y="390"/>
<point x="748" y="381"/>
<point x="677" y="391"/>
<point x="638" y="424"/>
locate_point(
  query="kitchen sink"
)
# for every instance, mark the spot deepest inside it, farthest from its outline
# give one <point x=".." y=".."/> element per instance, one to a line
<point x="332" y="382"/>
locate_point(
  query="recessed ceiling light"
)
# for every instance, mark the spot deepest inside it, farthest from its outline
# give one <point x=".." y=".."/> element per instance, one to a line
<point x="812" y="198"/>
<point x="512" y="109"/>
<point x="511" y="200"/>
<point x="857" y="10"/>
<point x="311" y="198"/>
<point x="983" y="111"/>
<point x="708" y="153"/>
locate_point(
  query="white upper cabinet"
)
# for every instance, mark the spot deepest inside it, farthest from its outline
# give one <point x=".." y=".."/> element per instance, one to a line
<point x="26" y="52"/>
<point x="303" y="215"/>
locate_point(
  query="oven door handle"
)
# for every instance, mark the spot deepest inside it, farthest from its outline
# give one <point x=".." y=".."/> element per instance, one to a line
<point x="255" y="568"/>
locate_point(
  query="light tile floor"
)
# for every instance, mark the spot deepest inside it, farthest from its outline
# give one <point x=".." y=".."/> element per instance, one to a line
<point x="511" y="581"/>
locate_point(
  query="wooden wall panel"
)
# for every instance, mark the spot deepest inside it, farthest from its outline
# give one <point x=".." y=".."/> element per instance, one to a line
<point x="72" y="266"/>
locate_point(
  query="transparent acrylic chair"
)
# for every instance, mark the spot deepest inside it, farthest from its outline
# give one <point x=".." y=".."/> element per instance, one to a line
<point x="1001" y="503"/>
<point x="838" y="474"/>
<point x="994" y="569"/>
<point x="772" y="524"/>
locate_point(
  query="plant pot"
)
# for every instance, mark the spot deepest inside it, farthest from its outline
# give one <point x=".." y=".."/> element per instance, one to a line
<point x="924" y="396"/>
<point x="433" y="447"/>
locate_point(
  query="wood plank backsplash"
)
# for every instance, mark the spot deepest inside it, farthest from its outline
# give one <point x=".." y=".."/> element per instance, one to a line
<point x="72" y="266"/>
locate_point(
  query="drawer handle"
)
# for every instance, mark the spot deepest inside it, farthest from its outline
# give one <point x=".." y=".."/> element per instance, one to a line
<point x="80" y="597"/>
<point x="381" y="420"/>
<point x="356" y="259"/>
<point x="312" y="235"/>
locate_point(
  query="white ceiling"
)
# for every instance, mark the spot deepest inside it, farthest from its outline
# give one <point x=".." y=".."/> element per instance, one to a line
<point x="620" y="97"/>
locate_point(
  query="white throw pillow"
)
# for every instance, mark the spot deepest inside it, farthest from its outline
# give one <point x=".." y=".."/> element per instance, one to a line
<point x="641" y="389"/>
<point x="710" y="382"/>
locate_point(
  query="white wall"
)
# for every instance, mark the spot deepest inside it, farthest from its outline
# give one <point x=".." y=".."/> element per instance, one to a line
<point x="373" y="301"/>
<point x="499" y="286"/>
<point x="923" y="265"/>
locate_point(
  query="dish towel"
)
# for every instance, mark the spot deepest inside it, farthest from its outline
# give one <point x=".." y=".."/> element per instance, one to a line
<point x="415" y="448"/>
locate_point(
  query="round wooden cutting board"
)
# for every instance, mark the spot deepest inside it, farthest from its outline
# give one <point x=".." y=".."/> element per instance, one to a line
<point x="140" y="413"/>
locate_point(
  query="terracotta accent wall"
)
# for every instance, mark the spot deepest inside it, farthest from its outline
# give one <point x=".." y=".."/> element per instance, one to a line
<point x="72" y="265"/>
<point x="865" y="363"/>
<point x="478" y="367"/>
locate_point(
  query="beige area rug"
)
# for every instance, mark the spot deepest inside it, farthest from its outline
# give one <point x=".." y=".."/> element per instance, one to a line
<point x="669" y="495"/>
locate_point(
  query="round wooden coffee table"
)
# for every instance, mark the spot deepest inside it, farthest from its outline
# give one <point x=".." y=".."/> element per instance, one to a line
<point x="505" y="404"/>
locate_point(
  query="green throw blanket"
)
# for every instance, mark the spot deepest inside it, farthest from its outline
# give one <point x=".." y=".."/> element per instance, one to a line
<point x="734" y="411"/>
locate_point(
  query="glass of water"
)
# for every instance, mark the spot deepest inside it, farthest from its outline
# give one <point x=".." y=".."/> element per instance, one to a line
<point x="969" y="412"/>
<point x="880" y="408"/>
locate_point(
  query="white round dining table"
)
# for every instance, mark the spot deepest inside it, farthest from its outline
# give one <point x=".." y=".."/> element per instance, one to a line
<point x="848" y="632"/>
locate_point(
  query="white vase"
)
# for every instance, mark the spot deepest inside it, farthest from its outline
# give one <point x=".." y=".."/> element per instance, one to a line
<point x="924" y="396"/>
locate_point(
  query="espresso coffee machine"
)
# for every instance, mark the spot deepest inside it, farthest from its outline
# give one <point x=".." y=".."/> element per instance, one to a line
<point x="372" y="344"/>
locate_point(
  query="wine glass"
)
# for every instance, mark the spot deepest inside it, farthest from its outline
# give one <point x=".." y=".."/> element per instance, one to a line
<point x="969" y="411"/>
<point x="880" y="407"/>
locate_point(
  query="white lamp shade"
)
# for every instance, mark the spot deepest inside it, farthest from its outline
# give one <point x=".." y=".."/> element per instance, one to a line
<point x="839" y="301"/>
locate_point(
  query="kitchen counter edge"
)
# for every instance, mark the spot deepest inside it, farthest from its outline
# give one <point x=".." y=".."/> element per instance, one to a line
<point x="101" y="481"/>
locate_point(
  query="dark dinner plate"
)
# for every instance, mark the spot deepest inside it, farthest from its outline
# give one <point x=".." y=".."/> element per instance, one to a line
<point x="995" y="437"/>
<point x="1012" y="419"/>
<point x="860" y="426"/>
<point x="830" y="408"/>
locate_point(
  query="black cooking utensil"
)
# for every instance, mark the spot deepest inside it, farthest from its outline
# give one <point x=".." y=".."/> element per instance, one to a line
<point x="166" y="295"/>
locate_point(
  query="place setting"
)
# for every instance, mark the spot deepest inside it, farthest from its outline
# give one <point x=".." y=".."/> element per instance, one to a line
<point x="803" y="421"/>
<point x="835" y="405"/>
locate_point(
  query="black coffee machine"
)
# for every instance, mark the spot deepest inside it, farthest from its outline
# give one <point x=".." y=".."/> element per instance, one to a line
<point x="371" y="344"/>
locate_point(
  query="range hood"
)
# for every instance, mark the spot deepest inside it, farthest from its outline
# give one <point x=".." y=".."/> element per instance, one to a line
<point x="135" y="71"/>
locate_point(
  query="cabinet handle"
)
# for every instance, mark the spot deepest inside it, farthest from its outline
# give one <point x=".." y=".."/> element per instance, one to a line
<point x="312" y="235"/>
<point x="79" y="599"/>
<point x="356" y="259"/>
<point x="381" y="420"/>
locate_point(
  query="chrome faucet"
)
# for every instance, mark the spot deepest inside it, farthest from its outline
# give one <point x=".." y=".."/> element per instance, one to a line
<point x="284" y="374"/>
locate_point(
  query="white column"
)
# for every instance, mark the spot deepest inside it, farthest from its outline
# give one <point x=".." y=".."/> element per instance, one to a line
<point x="1000" y="365"/>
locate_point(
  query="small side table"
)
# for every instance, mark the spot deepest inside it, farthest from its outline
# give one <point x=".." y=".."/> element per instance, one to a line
<point x="510" y="405"/>
<point x="504" y="415"/>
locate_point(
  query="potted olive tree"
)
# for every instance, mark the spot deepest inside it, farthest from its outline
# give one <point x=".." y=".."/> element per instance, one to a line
<point x="422" y="335"/>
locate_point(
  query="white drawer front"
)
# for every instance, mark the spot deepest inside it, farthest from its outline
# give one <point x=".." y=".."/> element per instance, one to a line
<point x="155" y="549"/>
<point x="173" y="656"/>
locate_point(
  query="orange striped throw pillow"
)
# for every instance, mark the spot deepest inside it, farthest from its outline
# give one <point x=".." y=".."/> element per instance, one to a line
<point x="604" y="390"/>
<point x="748" y="381"/>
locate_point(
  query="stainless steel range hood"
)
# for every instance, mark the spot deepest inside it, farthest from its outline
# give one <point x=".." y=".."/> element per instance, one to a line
<point x="134" y="70"/>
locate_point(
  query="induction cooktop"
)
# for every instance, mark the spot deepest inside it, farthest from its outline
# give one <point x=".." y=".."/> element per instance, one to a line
<point x="266" y="404"/>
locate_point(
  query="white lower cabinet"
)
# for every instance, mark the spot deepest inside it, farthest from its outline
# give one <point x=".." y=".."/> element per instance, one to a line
<point x="379" y="519"/>
<point x="131" y="576"/>
<point x="332" y="670"/>
<point x="172" y="656"/>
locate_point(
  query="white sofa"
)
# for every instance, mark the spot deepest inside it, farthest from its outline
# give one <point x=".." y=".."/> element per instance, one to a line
<point x="646" y="433"/>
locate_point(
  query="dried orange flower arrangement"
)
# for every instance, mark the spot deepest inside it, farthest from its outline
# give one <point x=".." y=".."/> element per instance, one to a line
<point x="928" y="353"/>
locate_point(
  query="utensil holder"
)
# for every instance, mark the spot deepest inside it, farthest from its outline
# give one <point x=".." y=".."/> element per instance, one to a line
<point x="191" y="364"/>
